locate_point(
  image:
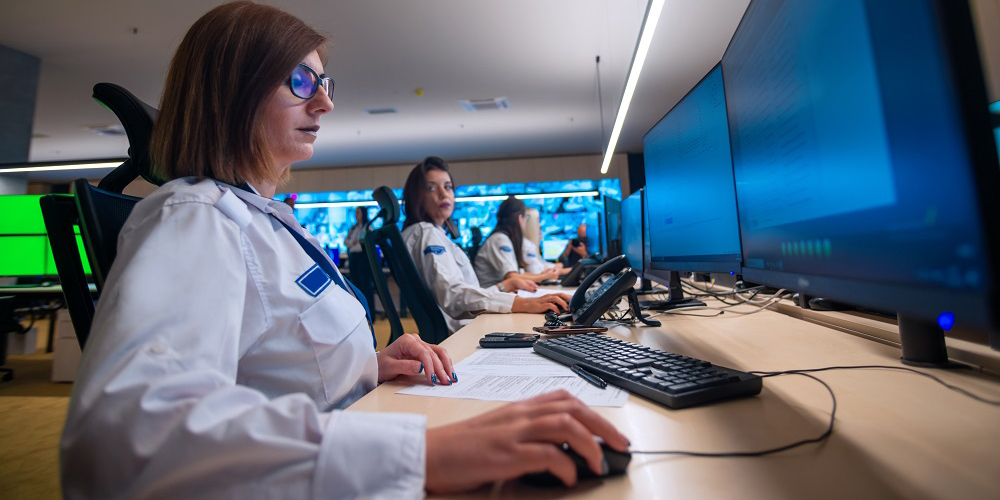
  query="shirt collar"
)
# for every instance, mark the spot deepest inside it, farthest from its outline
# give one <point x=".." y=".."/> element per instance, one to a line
<point x="249" y="194"/>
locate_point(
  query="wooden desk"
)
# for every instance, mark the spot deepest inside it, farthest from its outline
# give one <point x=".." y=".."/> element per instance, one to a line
<point x="897" y="435"/>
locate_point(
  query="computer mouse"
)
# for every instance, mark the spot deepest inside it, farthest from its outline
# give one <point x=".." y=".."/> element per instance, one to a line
<point x="616" y="463"/>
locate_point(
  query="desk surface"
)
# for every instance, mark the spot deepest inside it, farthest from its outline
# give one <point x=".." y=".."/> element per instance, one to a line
<point x="897" y="435"/>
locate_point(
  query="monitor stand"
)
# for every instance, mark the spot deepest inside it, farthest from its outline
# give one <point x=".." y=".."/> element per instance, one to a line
<point x="646" y="288"/>
<point x="923" y="343"/>
<point x="676" y="300"/>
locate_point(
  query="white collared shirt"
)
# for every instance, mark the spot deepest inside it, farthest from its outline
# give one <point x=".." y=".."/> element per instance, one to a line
<point x="495" y="259"/>
<point x="450" y="277"/>
<point x="218" y="361"/>
<point x="533" y="261"/>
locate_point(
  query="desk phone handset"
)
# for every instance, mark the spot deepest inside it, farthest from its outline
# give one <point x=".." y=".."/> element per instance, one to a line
<point x="586" y="312"/>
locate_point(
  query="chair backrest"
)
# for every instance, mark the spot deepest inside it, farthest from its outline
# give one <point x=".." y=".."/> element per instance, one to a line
<point x="137" y="119"/>
<point x="431" y="324"/>
<point x="60" y="215"/>
<point x="102" y="215"/>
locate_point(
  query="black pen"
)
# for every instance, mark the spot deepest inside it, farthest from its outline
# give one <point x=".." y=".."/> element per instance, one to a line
<point x="589" y="377"/>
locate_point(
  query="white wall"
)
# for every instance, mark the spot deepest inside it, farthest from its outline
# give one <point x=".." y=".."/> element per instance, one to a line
<point x="987" y="17"/>
<point x="13" y="184"/>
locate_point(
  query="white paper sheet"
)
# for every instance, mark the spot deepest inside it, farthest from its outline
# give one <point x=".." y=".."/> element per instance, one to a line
<point x="517" y="387"/>
<point x="518" y="361"/>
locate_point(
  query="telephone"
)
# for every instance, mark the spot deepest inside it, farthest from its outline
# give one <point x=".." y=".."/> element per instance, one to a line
<point x="572" y="278"/>
<point x="612" y="266"/>
<point x="586" y="312"/>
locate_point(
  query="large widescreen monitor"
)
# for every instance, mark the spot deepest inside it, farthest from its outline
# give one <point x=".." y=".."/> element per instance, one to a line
<point x="25" y="244"/>
<point x="631" y="226"/>
<point x="864" y="161"/>
<point x="689" y="184"/>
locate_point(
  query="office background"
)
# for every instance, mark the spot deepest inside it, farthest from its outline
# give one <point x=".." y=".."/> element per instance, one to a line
<point x="426" y="60"/>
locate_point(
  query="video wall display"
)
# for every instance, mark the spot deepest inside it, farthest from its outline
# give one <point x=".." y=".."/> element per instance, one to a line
<point x="560" y="214"/>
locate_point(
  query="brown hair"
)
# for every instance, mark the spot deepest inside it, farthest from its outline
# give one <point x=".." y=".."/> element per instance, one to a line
<point x="229" y="63"/>
<point x="415" y="189"/>
<point x="508" y="224"/>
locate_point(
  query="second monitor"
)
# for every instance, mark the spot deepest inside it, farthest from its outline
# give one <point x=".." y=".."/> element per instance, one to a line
<point x="690" y="195"/>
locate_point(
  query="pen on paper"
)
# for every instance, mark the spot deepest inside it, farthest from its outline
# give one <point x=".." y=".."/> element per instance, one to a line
<point x="589" y="377"/>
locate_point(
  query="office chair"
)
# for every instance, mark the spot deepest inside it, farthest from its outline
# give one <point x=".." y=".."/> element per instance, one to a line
<point x="99" y="211"/>
<point x="477" y="241"/>
<point x="7" y="325"/>
<point x="431" y="325"/>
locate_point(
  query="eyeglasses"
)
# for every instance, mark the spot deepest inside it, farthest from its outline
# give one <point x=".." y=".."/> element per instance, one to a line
<point x="304" y="82"/>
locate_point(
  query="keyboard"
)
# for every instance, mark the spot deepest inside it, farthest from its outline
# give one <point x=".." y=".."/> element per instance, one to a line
<point x="667" y="378"/>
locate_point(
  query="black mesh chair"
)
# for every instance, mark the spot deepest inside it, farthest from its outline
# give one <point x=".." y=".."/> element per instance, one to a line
<point x="99" y="211"/>
<point x="7" y="325"/>
<point x="413" y="290"/>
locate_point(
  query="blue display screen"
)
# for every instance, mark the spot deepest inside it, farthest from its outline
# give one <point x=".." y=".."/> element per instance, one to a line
<point x="632" y="229"/>
<point x="559" y="216"/>
<point x="849" y="155"/>
<point x="689" y="184"/>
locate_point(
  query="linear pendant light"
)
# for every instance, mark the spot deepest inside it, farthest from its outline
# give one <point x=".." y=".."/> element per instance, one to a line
<point x="638" y="59"/>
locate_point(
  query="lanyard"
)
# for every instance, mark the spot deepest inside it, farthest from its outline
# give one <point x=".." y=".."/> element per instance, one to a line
<point x="326" y="265"/>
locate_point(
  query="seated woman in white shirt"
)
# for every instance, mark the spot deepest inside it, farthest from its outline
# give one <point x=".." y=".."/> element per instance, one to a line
<point x="504" y="254"/>
<point x="428" y="202"/>
<point x="226" y="344"/>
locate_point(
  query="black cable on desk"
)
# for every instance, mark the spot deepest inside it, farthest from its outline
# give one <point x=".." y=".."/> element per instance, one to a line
<point x="829" y="430"/>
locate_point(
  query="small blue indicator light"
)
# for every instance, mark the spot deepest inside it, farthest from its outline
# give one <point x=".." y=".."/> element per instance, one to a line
<point x="946" y="320"/>
<point x="732" y="273"/>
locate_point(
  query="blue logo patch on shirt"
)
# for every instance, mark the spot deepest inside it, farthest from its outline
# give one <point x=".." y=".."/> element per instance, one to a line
<point x="314" y="280"/>
<point x="434" y="249"/>
<point x="506" y="249"/>
<point x="531" y="256"/>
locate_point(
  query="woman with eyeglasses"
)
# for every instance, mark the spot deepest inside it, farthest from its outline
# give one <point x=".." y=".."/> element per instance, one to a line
<point x="225" y="344"/>
<point x="507" y="252"/>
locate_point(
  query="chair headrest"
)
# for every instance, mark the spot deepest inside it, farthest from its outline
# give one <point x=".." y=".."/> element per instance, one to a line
<point x="137" y="119"/>
<point x="388" y="203"/>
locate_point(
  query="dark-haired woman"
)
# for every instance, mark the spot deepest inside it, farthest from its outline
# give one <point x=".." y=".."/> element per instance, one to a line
<point x="504" y="254"/>
<point x="224" y="346"/>
<point x="429" y="200"/>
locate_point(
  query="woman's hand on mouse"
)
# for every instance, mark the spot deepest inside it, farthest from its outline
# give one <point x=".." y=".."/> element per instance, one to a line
<point x="517" y="439"/>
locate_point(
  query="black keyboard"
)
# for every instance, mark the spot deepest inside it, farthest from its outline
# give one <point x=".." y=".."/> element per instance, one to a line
<point x="667" y="378"/>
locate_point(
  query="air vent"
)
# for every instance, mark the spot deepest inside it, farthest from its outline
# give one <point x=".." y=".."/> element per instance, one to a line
<point x="107" y="130"/>
<point x="485" y="104"/>
<point x="380" y="111"/>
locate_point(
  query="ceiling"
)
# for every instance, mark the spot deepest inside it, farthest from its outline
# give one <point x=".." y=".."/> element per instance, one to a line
<point x="539" y="54"/>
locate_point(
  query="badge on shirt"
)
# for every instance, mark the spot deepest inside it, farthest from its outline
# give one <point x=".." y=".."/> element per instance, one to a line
<point x="314" y="280"/>
<point x="434" y="249"/>
<point x="531" y="256"/>
<point x="506" y="249"/>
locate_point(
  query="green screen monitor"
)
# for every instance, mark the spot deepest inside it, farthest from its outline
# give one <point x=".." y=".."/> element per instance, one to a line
<point x="24" y="243"/>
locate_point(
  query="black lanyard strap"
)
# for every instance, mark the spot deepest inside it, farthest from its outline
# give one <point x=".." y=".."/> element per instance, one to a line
<point x="325" y="264"/>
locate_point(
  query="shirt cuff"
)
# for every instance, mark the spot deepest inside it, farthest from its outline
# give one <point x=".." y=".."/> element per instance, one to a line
<point x="372" y="455"/>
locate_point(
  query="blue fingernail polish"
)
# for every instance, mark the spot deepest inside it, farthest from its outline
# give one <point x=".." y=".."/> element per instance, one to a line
<point x="454" y="377"/>
<point x="421" y="370"/>
<point x="434" y="379"/>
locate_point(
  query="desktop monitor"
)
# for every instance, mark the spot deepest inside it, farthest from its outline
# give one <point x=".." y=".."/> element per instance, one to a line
<point x="631" y="227"/>
<point x="612" y="240"/>
<point x="865" y="167"/>
<point x="595" y="242"/>
<point x="26" y="249"/>
<point x="689" y="185"/>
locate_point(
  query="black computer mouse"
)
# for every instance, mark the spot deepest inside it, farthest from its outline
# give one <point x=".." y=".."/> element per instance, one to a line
<point x="617" y="462"/>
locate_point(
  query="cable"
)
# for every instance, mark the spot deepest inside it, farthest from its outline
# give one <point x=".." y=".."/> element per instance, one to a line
<point x="833" y="412"/>
<point x="769" y="451"/>
<point x="870" y="367"/>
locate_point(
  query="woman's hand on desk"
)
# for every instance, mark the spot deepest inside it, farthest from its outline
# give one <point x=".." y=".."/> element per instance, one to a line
<point x="517" y="283"/>
<point x="517" y="439"/>
<point x="408" y="355"/>
<point x="555" y="302"/>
